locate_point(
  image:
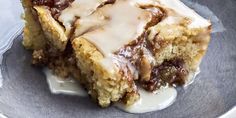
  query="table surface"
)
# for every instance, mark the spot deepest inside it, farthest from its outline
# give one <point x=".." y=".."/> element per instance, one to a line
<point x="218" y="69"/>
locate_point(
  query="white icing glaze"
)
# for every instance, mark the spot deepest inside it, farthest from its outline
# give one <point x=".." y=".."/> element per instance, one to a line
<point x="125" y="23"/>
<point x="148" y="102"/>
<point x="78" y="8"/>
<point x="115" y="25"/>
<point x="108" y="63"/>
<point x="145" y="2"/>
<point x="67" y="86"/>
<point x="196" y="20"/>
<point x="89" y="23"/>
<point x="171" y="20"/>
<point x="191" y="77"/>
<point x="158" y="100"/>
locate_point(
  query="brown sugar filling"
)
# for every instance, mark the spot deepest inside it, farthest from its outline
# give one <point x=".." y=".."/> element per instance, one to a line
<point x="170" y="72"/>
<point x="55" y="6"/>
<point x="138" y="53"/>
<point x="63" y="64"/>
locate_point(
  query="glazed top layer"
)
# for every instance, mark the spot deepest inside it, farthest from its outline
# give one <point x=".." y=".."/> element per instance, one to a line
<point x="119" y="23"/>
<point x="113" y="26"/>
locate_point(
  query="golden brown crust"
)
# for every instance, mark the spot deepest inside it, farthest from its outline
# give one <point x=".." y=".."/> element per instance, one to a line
<point x="33" y="34"/>
<point x="179" y="41"/>
<point x="109" y="87"/>
<point x="52" y="29"/>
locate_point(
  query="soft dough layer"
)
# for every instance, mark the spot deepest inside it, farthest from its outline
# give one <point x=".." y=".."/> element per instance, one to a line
<point x="33" y="34"/>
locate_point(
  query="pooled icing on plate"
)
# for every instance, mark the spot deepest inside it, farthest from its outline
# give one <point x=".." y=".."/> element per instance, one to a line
<point x="66" y="86"/>
<point x="148" y="101"/>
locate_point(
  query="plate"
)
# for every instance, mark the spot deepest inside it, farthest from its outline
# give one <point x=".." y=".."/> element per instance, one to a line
<point x="25" y="92"/>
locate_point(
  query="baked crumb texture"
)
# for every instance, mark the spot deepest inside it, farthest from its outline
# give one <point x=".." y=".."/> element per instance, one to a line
<point x="161" y="54"/>
<point x="33" y="34"/>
